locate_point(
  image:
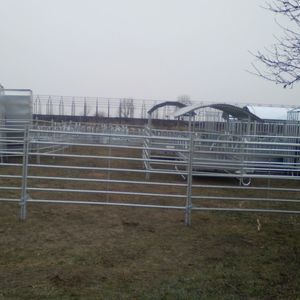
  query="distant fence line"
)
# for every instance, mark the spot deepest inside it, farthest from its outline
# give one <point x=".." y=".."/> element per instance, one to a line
<point x="117" y="107"/>
<point x="112" y="120"/>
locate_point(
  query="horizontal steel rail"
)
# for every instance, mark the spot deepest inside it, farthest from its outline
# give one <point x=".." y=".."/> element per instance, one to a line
<point x="10" y="176"/>
<point x="106" y="192"/>
<point x="10" y="164"/>
<point x="217" y="198"/>
<point x="111" y="135"/>
<point x="10" y="188"/>
<point x="96" y="157"/>
<point x="9" y="200"/>
<point x="146" y="152"/>
<point x="50" y="201"/>
<point x="107" y="146"/>
<point x="250" y="210"/>
<point x="264" y="188"/>
<point x="245" y="175"/>
<point x="105" y="180"/>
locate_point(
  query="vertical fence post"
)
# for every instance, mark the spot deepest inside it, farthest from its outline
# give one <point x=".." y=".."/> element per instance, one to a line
<point x="23" y="200"/>
<point x="188" y="206"/>
<point x="147" y="145"/>
<point x="109" y="162"/>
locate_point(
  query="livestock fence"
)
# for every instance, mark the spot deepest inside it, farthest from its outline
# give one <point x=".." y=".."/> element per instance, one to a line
<point x="102" y="107"/>
<point x="147" y="168"/>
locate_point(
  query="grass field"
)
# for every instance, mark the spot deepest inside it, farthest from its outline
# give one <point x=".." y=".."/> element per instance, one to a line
<point x="88" y="252"/>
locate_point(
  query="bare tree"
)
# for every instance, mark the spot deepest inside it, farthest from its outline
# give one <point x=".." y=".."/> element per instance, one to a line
<point x="99" y="114"/>
<point x="281" y="63"/>
<point x="126" y="108"/>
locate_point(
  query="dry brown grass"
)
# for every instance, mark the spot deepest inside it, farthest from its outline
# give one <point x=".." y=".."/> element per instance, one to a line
<point x="89" y="252"/>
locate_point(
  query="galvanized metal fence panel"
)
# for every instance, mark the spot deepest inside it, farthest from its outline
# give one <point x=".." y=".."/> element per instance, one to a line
<point x="151" y="169"/>
<point x="11" y="169"/>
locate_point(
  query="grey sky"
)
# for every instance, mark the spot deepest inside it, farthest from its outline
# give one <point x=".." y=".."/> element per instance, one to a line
<point x="152" y="49"/>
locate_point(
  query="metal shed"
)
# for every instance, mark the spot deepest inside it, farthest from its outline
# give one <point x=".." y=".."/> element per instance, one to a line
<point x="16" y="106"/>
<point x="15" y="113"/>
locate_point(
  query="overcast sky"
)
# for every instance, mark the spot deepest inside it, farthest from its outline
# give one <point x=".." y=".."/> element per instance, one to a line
<point x="150" y="49"/>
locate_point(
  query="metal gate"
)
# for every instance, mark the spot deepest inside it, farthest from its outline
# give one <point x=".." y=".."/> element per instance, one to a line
<point x="152" y="169"/>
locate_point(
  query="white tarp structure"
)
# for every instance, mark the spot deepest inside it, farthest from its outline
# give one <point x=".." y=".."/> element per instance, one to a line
<point x="268" y="113"/>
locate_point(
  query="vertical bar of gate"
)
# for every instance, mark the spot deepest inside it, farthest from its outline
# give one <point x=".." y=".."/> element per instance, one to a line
<point x="23" y="200"/>
<point x="147" y="145"/>
<point x="109" y="161"/>
<point x="188" y="206"/>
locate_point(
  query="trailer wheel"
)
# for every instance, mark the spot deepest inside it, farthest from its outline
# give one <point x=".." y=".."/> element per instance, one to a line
<point x="246" y="181"/>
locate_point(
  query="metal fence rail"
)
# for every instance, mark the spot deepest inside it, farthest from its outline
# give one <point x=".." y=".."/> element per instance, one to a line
<point x="152" y="169"/>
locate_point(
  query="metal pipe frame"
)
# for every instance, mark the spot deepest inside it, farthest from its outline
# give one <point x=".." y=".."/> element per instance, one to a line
<point x="162" y="153"/>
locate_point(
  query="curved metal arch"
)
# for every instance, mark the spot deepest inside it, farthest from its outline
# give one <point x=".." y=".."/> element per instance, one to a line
<point x="229" y="109"/>
<point x="166" y="103"/>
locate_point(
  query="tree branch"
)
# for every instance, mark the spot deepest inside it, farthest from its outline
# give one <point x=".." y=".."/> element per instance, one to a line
<point x="282" y="63"/>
